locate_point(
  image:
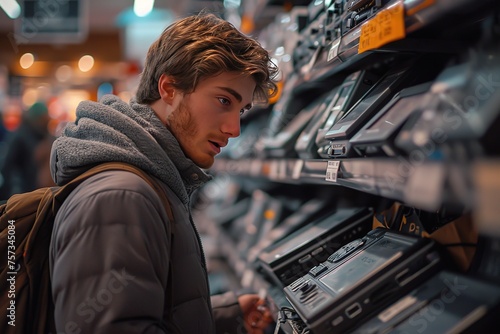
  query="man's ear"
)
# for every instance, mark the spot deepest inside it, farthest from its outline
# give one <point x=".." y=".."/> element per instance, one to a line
<point x="166" y="89"/>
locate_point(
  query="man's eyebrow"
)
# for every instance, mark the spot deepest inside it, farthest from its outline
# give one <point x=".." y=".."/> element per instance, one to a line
<point x="232" y="92"/>
<point x="236" y="95"/>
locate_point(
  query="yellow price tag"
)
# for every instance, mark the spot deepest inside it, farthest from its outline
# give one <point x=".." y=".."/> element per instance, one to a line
<point x="387" y="26"/>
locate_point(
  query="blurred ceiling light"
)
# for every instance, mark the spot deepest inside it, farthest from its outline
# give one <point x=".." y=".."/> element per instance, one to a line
<point x="11" y="8"/>
<point x="64" y="73"/>
<point x="30" y="96"/>
<point x="143" y="7"/>
<point x="86" y="63"/>
<point x="70" y="100"/>
<point x="26" y="60"/>
<point x="44" y="91"/>
<point x="141" y="32"/>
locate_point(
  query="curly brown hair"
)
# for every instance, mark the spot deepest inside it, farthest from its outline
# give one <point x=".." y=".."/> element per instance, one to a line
<point x="200" y="46"/>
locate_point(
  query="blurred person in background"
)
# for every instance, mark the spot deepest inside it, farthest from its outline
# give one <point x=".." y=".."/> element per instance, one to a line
<point x="24" y="167"/>
<point x="114" y="268"/>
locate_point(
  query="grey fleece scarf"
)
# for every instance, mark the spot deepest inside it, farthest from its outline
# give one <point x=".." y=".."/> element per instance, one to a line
<point x="113" y="130"/>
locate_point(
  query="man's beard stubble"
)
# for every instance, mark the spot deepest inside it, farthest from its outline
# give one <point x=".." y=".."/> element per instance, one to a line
<point x="180" y="123"/>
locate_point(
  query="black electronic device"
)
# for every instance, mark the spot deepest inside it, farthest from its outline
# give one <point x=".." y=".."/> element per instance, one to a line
<point x="282" y="144"/>
<point x="276" y="211"/>
<point x="465" y="110"/>
<point x="312" y="39"/>
<point x="295" y="255"/>
<point x="358" y="11"/>
<point x="316" y="16"/>
<point x="320" y="37"/>
<point x="333" y="19"/>
<point x="282" y="112"/>
<point x="306" y="213"/>
<point x="305" y="145"/>
<point x="446" y="303"/>
<point x="257" y="219"/>
<point x="286" y="107"/>
<point x="423" y="122"/>
<point x="243" y="145"/>
<point x="362" y="277"/>
<point x="487" y="259"/>
<point x="314" y="9"/>
<point x="226" y="200"/>
<point x="274" y="295"/>
<point x="225" y="215"/>
<point x="353" y="5"/>
<point x="377" y="136"/>
<point x="244" y="229"/>
<point x="352" y="88"/>
<point x="400" y="75"/>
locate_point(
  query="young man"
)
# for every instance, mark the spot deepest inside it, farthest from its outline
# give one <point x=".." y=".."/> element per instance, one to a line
<point x="110" y="255"/>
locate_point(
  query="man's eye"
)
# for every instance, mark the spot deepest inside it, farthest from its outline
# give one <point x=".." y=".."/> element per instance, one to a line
<point x="224" y="101"/>
<point x="244" y="110"/>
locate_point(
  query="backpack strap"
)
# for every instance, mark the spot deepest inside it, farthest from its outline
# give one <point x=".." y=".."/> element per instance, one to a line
<point x="65" y="190"/>
<point x="59" y="194"/>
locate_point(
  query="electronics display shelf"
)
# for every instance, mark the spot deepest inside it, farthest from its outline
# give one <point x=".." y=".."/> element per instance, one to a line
<point x="426" y="185"/>
<point x="456" y="178"/>
<point x="342" y="54"/>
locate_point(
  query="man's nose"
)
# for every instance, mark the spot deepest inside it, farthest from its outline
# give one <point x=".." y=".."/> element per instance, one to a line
<point x="231" y="124"/>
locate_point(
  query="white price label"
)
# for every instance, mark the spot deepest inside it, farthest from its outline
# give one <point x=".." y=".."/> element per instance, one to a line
<point x="332" y="170"/>
<point x="334" y="50"/>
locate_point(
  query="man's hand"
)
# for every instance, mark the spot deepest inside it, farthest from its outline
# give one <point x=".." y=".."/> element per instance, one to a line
<point x="255" y="313"/>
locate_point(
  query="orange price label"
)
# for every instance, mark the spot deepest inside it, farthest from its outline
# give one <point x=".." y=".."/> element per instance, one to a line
<point x="387" y="26"/>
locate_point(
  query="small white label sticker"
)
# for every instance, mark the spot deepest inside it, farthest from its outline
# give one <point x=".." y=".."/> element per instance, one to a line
<point x="332" y="170"/>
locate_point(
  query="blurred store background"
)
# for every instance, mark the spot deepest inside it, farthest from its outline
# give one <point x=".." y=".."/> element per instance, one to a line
<point x="60" y="52"/>
<point x="387" y="116"/>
